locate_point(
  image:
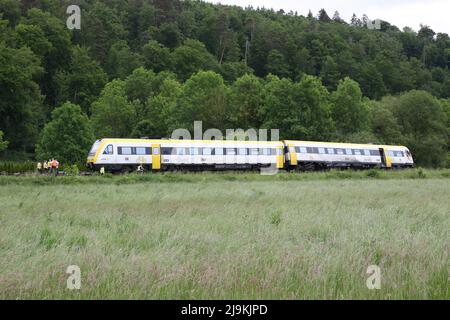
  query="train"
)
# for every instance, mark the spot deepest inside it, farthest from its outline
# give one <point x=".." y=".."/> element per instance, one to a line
<point x="122" y="155"/>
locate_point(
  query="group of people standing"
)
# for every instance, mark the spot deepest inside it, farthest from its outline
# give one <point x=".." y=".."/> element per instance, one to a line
<point x="50" y="166"/>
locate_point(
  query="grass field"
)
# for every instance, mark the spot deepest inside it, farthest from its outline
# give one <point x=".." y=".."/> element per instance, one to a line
<point x="227" y="237"/>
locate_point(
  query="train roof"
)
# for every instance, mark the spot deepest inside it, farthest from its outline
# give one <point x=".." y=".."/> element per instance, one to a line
<point x="187" y="141"/>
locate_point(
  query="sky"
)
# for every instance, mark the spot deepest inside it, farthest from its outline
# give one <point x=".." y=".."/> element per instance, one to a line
<point x="401" y="13"/>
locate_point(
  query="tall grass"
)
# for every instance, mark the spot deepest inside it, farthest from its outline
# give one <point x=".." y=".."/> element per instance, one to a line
<point x="239" y="176"/>
<point x="290" y="239"/>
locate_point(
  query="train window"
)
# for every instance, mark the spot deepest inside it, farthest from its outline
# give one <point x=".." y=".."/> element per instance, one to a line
<point x="94" y="148"/>
<point x="242" y="151"/>
<point x="166" y="151"/>
<point x="348" y="151"/>
<point x="340" y="151"/>
<point x="273" y="151"/>
<point x="109" y="149"/>
<point x="391" y="153"/>
<point x="400" y="154"/>
<point x="181" y="151"/>
<point x="303" y="150"/>
<point x="356" y="152"/>
<point x="321" y="150"/>
<point x="125" y="150"/>
<point x="230" y="151"/>
<point x="156" y="150"/>
<point x="330" y="150"/>
<point x="254" y="151"/>
<point x="194" y="151"/>
<point x="280" y="151"/>
<point x="207" y="151"/>
<point x="141" y="151"/>
<point x="366" y="152"/>
<point x="218" y="151"/>
<point x="374" y="152"/>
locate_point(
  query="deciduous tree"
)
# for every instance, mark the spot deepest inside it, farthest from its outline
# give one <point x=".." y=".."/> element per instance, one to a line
<point x="67" y="137"/>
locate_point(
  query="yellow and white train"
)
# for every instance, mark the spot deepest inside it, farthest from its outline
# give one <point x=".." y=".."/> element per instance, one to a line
<point x="168" y="154"/>
<point x="126" y="154"/>
<point x="315" y="155"/>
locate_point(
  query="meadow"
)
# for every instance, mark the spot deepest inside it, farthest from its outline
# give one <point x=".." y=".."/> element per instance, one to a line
<point x="226" y="236"/>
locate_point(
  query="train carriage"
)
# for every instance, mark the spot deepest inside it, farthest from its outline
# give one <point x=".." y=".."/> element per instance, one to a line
<point x="314" y="155"/>
<point x="167" y="154"/>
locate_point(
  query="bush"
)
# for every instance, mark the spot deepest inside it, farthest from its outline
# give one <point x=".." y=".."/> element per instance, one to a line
<point x="373" y="173"/>
<point x="275" y="218"/>
<point x="71" y="170"/>
<point x="12" y="167"/>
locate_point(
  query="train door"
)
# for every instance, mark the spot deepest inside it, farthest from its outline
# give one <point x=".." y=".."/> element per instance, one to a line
<point x="156" y="156"/>
<point x="292" y="155"/>
<point x="280" y="157"/>
<point x="385" y="158"/>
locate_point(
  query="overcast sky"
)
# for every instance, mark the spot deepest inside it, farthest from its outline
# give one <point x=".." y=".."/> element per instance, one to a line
<point x="401" y="13"/>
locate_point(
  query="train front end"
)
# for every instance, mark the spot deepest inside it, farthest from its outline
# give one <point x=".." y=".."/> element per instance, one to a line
<point x="90" y="161"/>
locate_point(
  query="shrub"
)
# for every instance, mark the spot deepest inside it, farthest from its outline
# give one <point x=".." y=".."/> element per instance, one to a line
<point x="275" y="219"/>
<point x="11" y="167"/>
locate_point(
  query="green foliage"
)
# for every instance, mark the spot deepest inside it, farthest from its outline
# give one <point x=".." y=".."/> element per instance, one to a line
<point x="424" y="126"/>
<point x="277" y="64"/>
<point x="246" y="100"/>
<point x="3" y="144"/>
<point x="106" y="27"/>
<point x="57" y="57"/>
<point x="383" y="123"/>
<point x="203" y="97"/>
<point x="10" y="10"/>
<point x="275" y="218"/>
<point x="112" y="114"/>
<point x="11" y="167"/>
<point x="20" y="97"/>
<point x="49" y="238"/>
<point x="300" y="110"/>
<point x="168" y="34"/>
<point x="82" y="82"/>
<point x="122" y="61"/>
<point x="156" y="56"/>
<point x="231" y="71"/>
<point x="146" y="128"/>
<point x="67" y="137"/>
<point x="71" y="170"/>
<point x="350" y="112"/>
<point x="191" y="57"/>
<point x="33" y="37"/>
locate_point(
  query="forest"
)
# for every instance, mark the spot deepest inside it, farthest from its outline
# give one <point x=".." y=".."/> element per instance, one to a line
<point x="146" y="67"/>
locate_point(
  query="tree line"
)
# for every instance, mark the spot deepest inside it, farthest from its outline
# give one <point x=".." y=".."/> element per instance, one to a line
<point x="143" y="68"/>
